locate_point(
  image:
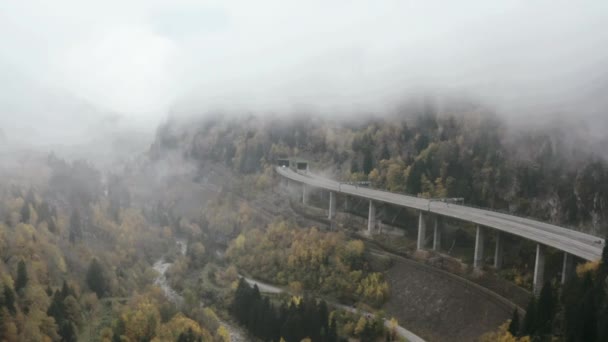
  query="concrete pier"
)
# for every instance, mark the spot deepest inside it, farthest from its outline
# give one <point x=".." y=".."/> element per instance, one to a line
<point x="567" y="267"/>
<point x="371" y="218"/>
<point x="421" y="231"/>
<point x="437" y="233"/>
<point x="480" y="238"/>
<point x="305" y="194"/>
<point x="579" y="245"/>
<point x="539" y="269"/>
<point x="332" y="205"/>
<point x="498" y="251"/>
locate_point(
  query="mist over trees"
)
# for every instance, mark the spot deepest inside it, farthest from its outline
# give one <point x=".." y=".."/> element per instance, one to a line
<point x="423" y="151"/>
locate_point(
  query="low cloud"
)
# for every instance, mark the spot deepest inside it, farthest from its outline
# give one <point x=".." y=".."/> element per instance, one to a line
<point x="142" y="59"/>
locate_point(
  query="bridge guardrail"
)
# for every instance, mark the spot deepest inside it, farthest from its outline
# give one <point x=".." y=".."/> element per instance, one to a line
<point x="535" y="219"/>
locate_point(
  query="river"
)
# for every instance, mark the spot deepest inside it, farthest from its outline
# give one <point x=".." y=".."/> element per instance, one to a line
<point x="161" y="266"/>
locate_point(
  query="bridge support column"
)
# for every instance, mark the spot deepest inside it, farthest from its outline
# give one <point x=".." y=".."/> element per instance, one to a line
<point x="332" y="205"/>
<point x="480" y="238"/>
<point x="371" y="219"/>
<point x="437" y="233"/>
<point x="346" y="203"/>
<point x="305" y="194"/>
<point x="498" y="251"/>
<point x="539" y="269"/>
<point x="421" y="231"/>
<point x="568" y="267"/>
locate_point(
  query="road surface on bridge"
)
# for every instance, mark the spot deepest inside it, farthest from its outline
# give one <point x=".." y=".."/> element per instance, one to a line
<point x="583" y="245"/>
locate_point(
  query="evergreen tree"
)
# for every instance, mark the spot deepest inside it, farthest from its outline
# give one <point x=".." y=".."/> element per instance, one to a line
<point x="603" y="325"/>
<point x="3" y="318"/>
<point x="9" y="300"/>
<point x="588" y="317"/>
<point x="368" y="161"/>
<point x="57" y="309"/>
<point x="66" y="290"/>
<point x="385" y="154"/>
<point x="241" y="301"/>
<point x="354" y="166"/>
<point x="30" y="198"/>
<point x="44" y="212"/>
<point x="119" y="330"/>
<point x="323" y="318"/>
<point x="96" y="279"/>
<point x="25" y="212"/>
<point x="51" y="225"/>
<point x="545" y="311"/>
<point x="603" y="269"/>
<point x="514" y="325"/>
<point x="75" y="227"/>
<point x="68" y="332"/>
<point x="21" y="281"/>
<point x="529" y="326"/>
<point x="332" y="334"/>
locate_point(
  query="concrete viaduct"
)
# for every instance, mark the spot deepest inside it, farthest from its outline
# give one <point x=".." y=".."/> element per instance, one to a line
<point x="571" y="242"/>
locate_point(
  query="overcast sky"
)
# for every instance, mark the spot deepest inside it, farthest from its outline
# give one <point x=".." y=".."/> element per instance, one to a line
<point x="140" y="58"/>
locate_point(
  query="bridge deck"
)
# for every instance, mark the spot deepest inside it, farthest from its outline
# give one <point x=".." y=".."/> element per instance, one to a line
<point x="580" y="244"/>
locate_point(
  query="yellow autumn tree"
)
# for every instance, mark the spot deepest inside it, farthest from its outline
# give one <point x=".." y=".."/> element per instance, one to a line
<point x="503" y="335"/>
<point x="179" y="324"/>
<point x="142" y="322"/>
<point x="223" y="334"/>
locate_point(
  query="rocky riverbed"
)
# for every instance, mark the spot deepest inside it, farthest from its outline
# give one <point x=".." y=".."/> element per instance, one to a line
<point x="161" y="266"/>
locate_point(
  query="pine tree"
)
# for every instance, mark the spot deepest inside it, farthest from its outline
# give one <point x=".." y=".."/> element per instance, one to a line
<point x="3" y="318"/>
<point x="323" y="317"/>
<point x="603" y="269"/>
<point x="241" y="301"/>
<point x="68" y="332"/>
<point x="21" y="281"/>
<point x="332" y="334"/>
<point x="9" y="300"/>
<point x="30" y="198"/>
<point x="75" y="227"/>
<point x="588" y="317"/>
<point x="514" y="325"/>
<point x="368" y="161"/>
<point x="119" y="330"/>
<point x="66" y="290"/>
<point x="545" y="311"/>
<point x="25" y="212"/>
<point x="96" y="279"/>
<point x="529" y="326"/>
<point x="57" y="309"/>
<point x="51" y="226"/>
<point x="603" y="325"/>
<point x="385" y="154"/>
<point x="44" y="212"/>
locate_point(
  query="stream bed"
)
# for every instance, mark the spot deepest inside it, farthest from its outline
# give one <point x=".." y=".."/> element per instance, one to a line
<point x="161" y="266"/>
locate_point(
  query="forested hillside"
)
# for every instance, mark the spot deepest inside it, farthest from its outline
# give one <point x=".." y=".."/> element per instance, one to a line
<point x="547" y="173"/>
<point x="76" y="263"/>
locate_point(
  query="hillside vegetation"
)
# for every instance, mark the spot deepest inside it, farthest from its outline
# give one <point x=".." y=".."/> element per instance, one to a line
<point x="547" y="174"/>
